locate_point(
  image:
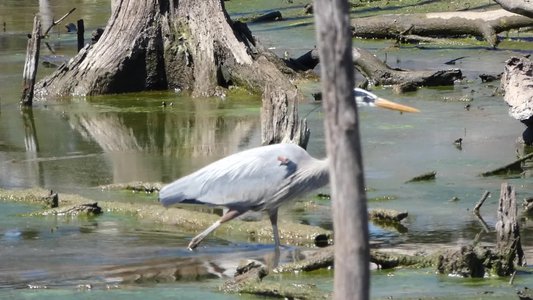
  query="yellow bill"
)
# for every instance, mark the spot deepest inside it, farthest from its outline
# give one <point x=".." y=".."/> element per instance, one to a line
<point x="384" y="103"/>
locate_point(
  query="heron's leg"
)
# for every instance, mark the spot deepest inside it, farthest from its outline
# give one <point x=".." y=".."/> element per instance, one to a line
<point x="273" y="214"/>
<point x="229" y="215"/>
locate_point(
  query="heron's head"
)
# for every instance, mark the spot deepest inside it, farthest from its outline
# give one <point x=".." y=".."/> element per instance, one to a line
<point x="366" y="98"/>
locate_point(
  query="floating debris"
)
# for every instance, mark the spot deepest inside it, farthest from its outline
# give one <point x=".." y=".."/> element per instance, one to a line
<point x="424" y="177"/>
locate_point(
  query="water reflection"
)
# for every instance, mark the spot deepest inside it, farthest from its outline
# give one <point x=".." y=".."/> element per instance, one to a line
<point x="143" y="142"/>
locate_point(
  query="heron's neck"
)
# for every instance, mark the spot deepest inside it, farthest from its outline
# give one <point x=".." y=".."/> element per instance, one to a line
<point x="318" y="172"/>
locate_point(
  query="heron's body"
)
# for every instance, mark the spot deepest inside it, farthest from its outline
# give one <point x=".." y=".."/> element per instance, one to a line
<point x="258" y="179"/>
<point x="254" y="179"/>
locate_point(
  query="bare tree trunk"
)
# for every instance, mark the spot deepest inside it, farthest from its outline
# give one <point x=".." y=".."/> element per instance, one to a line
<point x="167" y="44"/>
<point x="520" y="7"/>
<point x="350" y="219"/>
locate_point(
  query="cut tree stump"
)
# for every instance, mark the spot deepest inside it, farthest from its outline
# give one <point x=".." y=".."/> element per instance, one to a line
<point x="486" y="24"/>
<point x="31" y="64"/>
<point x="279" y="118"/>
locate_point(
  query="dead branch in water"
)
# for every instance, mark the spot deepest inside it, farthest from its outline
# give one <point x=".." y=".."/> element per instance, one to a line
<point x="481" y="201"/>
<point x="58" y="21"/>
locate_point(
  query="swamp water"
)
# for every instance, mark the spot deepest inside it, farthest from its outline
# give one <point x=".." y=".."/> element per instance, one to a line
<point x="76" y="146"/>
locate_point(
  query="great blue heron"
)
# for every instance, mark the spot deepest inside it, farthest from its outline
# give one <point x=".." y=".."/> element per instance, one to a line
<point x="258" y="179"/>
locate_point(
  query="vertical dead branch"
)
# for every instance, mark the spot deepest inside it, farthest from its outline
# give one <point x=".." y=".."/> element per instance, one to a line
<point x="81" y="32"/>
<point x="508" y="244"/>
<point x="481" y="201"/>
<point x="279" y="119"/>
<point x="32" y="61"/>
<point x="350" y="220"/>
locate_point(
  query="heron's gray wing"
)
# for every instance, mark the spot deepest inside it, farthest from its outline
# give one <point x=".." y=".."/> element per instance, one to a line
<point x="244" y="180"/>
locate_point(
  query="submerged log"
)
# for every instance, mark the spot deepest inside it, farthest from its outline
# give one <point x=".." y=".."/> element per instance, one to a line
<point x="279" y="118"/>
<point x="511" y="168"/>
<point x="137" y="186"/>
<point x="249" y="280"/>
<point x="268" y="17"/>
<point x="423" y="177"/>
<point x="85" y="209"/>
<point x="31" y="64"/>
<point x="379" y="73"/>
<point x="486" y="24"/>
<point x="387" y="215"/>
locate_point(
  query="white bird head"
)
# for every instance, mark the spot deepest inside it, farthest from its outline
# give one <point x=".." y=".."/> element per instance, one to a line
<point x="365" y="98"/>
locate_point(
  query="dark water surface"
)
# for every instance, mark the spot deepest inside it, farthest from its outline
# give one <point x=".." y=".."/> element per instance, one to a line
<point x="76" y="146"/>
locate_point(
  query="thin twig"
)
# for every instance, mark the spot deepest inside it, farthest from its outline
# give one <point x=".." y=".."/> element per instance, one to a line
<point x="512" y="278"/>
<point x="58" y="21"/>
<point x="483" y="198"/>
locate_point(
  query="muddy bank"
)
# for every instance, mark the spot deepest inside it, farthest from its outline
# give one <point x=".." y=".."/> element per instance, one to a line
<point x="187" y="220"/>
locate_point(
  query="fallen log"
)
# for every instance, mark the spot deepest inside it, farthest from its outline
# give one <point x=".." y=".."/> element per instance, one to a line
<point x="268" y="17"/>
<point x="379" y="73"/>
<point x="486" y="24"/>
<point x="520" y="7"/>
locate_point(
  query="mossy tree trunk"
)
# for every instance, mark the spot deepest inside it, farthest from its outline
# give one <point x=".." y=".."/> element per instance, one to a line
<point x="167" y="44"/>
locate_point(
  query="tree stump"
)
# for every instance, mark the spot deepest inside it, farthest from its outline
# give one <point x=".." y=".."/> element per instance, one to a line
<point x="32" y="61"/>
<point x="279" y="118"/>
<point x="163" y="44"/>
<point x="508" y="244"/>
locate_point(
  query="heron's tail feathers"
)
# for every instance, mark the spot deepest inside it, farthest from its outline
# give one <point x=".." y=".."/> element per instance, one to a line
<point x="174" y="193"/>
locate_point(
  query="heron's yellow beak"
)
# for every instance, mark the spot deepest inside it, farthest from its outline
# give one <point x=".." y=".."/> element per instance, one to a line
<point x="384" y="103"/>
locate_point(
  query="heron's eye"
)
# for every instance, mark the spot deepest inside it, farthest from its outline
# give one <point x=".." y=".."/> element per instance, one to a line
<point x="368" y="99"/>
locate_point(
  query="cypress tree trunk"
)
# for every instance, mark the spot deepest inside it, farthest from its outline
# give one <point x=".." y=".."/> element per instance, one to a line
<point x="167" y="44"/>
